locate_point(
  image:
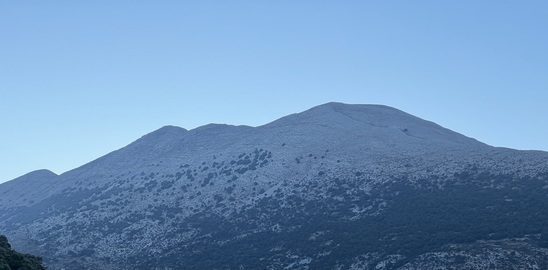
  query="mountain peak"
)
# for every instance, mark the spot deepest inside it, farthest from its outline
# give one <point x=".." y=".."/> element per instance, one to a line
<point x="42" y="174"/>
<point x="333" y="111"/>
<point x="373" y="112"/>
<point x="163" y="134"/>
<point x="168" y="130"/>
<point x="30" y="182"/>
<point x="379" y="123"/>
<point x="340" y="106"/>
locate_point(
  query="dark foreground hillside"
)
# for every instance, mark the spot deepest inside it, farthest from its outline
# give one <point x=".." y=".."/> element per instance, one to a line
<point x="12" y="260"/>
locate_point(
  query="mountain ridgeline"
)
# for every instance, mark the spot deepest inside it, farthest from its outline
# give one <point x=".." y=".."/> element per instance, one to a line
<point x="335" y="187"/>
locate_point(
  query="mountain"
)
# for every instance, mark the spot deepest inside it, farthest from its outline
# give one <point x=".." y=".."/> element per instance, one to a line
<point x="34" y="182"/>
<point x="335" y="187"/>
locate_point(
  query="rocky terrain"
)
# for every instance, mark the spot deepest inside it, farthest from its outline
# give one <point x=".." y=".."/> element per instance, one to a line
<point x="335" y="187"/>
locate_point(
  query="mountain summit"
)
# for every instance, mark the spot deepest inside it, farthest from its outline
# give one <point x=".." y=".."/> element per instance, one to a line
<point x="376" y="123"/>
<point x="334" y="187"/>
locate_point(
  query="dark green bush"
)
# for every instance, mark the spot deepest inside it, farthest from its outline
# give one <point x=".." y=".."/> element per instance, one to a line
<point x="10" y="259"/>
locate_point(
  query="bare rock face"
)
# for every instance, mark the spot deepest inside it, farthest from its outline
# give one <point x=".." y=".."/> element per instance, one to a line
<point x="335" y="187"/>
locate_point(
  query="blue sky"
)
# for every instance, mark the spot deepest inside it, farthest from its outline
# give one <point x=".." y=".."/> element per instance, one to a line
<point x="79" y="79"/>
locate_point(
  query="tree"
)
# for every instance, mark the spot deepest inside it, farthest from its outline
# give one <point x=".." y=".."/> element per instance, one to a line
<point x="11" y="259"/>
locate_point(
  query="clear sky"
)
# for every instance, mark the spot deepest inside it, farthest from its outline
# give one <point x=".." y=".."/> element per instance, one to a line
<point x="79" y="79"/>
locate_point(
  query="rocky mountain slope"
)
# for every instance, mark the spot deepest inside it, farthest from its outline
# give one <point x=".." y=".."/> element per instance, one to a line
<point x="335" y="187"/>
